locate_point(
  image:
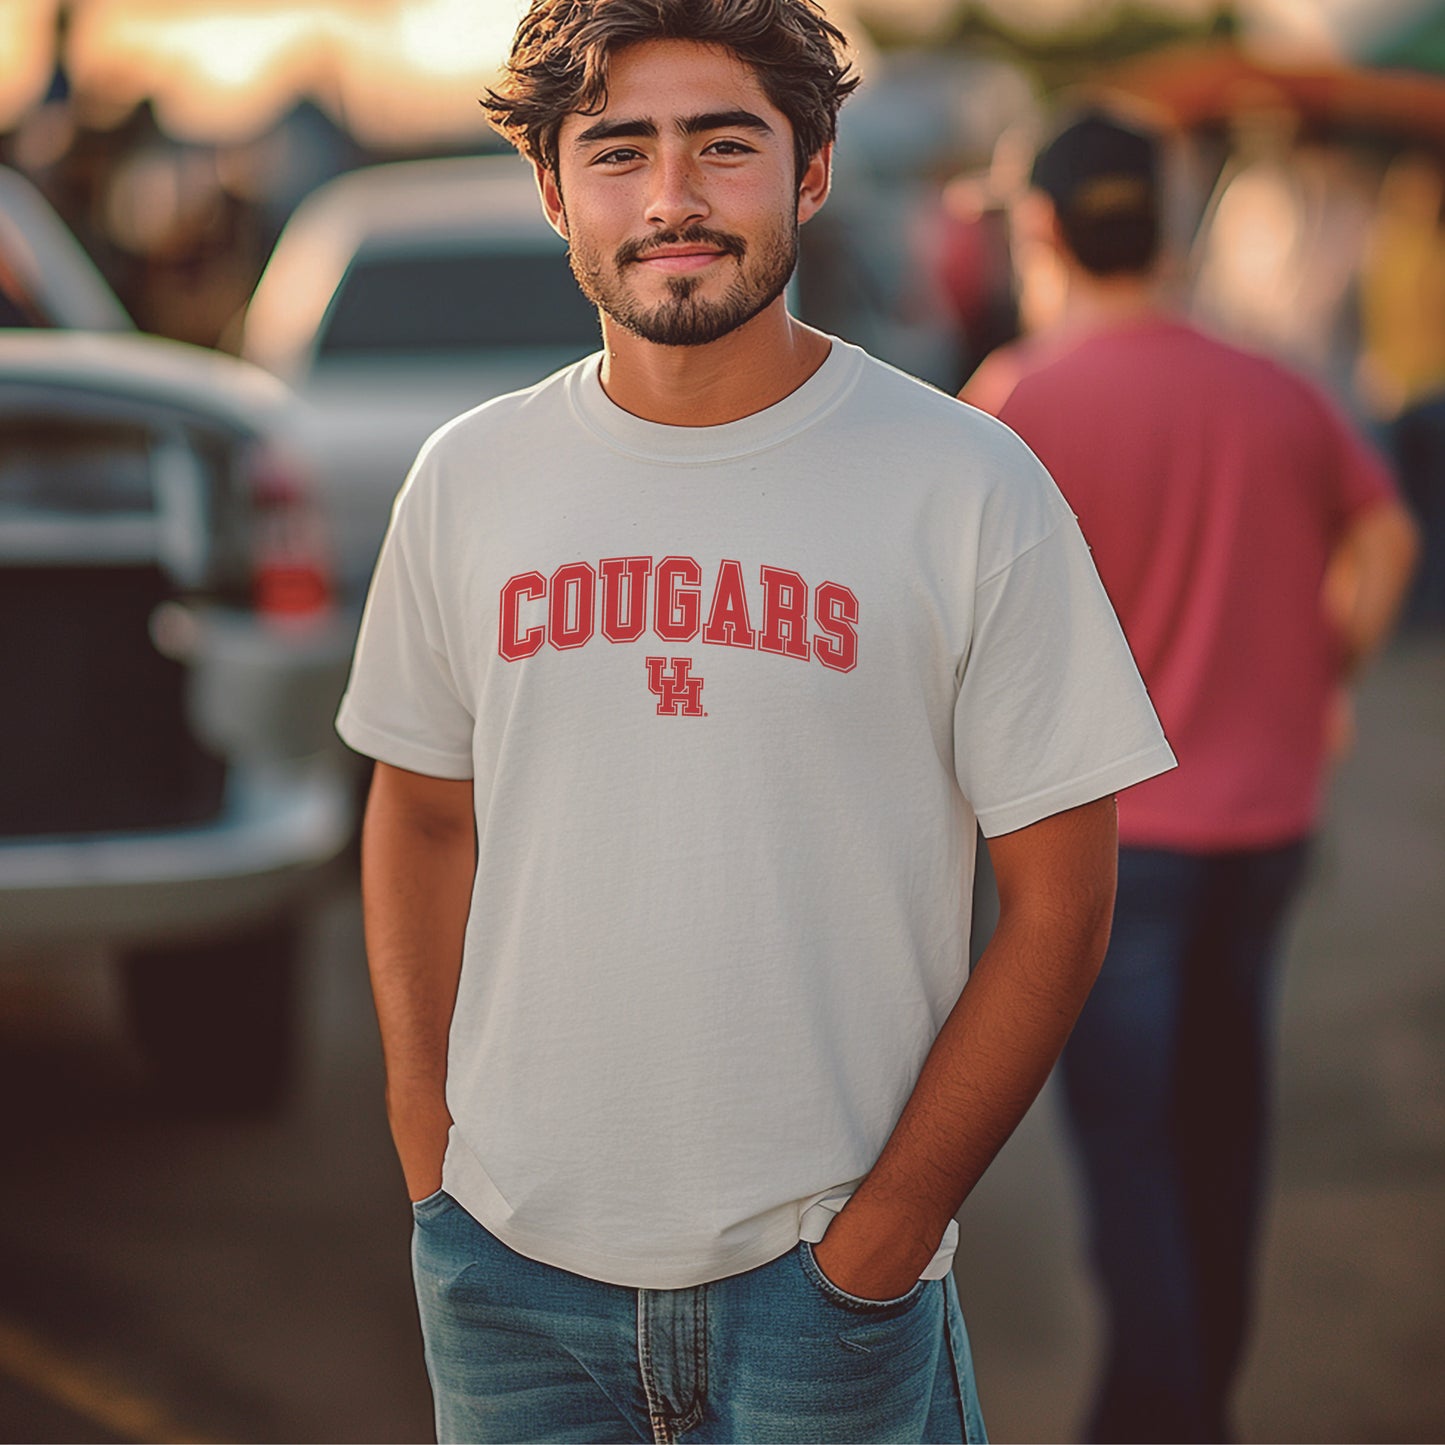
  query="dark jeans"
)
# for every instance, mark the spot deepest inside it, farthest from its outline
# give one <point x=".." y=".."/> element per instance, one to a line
<point x="1419" y="446"/>
<point x="1166" y="1087"/>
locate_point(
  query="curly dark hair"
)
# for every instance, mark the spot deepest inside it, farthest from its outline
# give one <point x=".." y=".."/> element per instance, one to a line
<point x="560" y="55"/>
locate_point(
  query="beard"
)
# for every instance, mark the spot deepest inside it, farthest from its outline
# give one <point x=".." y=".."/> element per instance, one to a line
<point x="685" y="318"/>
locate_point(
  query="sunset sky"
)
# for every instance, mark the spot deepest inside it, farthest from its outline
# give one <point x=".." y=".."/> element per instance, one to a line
<point x="401" y="69"/>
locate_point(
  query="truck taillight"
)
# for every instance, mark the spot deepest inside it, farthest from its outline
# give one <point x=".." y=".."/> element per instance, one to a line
<point x="291" y="580"/>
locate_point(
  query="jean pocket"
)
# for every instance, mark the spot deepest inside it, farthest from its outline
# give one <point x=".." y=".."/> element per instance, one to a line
<point x="830" y="1291"/>
<point x="433" y="1204"/>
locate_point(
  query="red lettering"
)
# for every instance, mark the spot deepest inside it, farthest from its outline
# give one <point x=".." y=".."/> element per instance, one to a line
<point x="514" y="646"/>
<point x="624" y="578"/>
<point x="571" y="613"/>
<point x="570" y="618"/>
<point x="728" y="624"/>
<point x="835" y="610"/>
<point x="785" y="613"/>
<point x="678" y="606"/>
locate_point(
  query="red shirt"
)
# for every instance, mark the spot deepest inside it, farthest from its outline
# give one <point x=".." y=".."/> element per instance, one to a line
<point x="1212" y="485"/>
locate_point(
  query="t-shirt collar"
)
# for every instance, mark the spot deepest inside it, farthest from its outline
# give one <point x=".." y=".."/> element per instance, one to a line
<point x="797" y="411"/>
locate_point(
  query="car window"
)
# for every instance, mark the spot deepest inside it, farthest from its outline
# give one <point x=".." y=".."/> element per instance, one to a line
<point x="71" y="469"/>
<point x="77" y="490"/>
<point x="18" y="311"/>
<point x="461" y="301"/>
<point x="18" y="307"/>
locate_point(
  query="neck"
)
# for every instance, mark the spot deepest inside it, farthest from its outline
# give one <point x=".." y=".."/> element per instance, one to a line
<point x="744" y="372"/>
<point x="1093" y="303"/>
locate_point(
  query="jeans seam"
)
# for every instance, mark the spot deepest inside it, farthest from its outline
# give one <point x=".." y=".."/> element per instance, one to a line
<point x="952" y="1348"/>
<point x="698" y="1404"/>
<point x="656" y="1408"/>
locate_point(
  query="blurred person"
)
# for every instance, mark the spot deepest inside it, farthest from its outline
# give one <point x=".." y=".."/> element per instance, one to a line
<point x="1277" y="255"/>
<point x="971" y="265"/>
<point x="1402" y="371"/>
<point x="1256" y="555"/>
<point x="687" y="673"/>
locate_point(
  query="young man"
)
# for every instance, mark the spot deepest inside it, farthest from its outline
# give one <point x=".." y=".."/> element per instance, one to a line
<point x="1257" y="556"/>
<point x="688" y="672"/>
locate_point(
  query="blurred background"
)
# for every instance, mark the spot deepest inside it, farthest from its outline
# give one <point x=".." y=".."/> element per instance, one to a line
<point x="251" y="253"/>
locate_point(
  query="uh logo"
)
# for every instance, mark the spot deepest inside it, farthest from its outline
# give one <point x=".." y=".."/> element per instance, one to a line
<point x="678" y="692"/>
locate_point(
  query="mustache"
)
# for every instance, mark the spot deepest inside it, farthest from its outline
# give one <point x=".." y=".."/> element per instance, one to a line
<point x="723" y="241"/>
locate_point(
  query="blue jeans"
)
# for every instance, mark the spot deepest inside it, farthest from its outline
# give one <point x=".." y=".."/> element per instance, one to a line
<point x="1166" y="1091"/>
<point x="1419" y="447"/>
<point x="519" y="1350"/>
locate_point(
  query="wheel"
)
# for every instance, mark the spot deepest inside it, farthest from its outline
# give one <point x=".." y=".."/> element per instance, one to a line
<point x="217" y="1021"/>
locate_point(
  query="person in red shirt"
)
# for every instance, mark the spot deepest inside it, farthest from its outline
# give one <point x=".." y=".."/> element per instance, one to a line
<point x="1256" y="554"/>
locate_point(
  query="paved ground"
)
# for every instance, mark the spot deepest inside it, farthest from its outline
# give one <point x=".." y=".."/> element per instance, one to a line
<point x="162" y="1279"/>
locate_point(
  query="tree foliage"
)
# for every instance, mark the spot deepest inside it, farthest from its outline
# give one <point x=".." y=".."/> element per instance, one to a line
<point x="1069" y="54"/>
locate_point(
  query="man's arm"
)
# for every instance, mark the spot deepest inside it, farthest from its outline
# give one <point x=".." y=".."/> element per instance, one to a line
<point x="1056" y="900"/>
<point x="418" y="861"/>
<point x="994" y="379"/>
<point x="1366" y="578"/>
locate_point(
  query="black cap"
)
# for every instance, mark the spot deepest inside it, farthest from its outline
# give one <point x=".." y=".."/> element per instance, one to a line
<point x="1097" y="168"/>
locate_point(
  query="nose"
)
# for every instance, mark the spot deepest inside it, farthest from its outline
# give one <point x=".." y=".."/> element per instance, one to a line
<point x="676" y="198"/>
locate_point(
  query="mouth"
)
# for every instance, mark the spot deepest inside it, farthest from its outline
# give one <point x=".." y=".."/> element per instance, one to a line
<point x="683" y="252"/>
<point x="680" y="259"/>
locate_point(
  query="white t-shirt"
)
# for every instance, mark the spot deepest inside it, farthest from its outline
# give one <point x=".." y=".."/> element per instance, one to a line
<point x="732" y="698"/>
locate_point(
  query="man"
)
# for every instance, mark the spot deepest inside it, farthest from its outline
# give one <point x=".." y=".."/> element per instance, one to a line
<point x="1256" y="556"/>
<point x="687" y="673"/>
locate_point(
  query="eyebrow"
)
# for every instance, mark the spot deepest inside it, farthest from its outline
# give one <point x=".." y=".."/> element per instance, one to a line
<point x="687" y="125"/>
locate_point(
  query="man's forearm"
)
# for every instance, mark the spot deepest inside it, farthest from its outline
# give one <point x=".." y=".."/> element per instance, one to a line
<point x="1366" y="580"/>
<point x="418" y="866"/>
<point x="985" y="1068"/>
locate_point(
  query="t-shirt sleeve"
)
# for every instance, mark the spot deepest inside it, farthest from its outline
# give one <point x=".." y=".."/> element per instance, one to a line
<point x="403" y="705"/>
<point x="1051" y="712"/>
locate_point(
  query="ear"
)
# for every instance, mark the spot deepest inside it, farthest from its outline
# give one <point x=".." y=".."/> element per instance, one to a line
<point x="1052" y="227"/>
<point x="817" y="181"/>
<point x="1034" y="222"/>
<point x="1041" y="261"/>
<point x="551" y="194"/>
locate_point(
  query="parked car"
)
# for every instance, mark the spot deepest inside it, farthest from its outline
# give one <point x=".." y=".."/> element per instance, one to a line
<point x="46" y="278"/>
<point x="169" y="787"/>
<point x="397" y="297"/>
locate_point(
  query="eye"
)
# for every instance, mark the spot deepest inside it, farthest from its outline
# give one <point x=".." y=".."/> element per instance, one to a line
<point x="730" y="148"/>
<point x="622" y="155"/>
